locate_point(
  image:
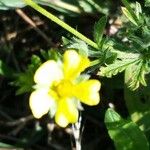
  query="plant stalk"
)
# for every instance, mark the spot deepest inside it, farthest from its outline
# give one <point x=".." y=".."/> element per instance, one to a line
<point x="61" y="23"/>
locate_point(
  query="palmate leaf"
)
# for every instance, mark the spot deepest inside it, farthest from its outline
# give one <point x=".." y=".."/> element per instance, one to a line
<point x="137" y="69"/>
<point x="125" y="133"/>
<point x="116" y="67"/>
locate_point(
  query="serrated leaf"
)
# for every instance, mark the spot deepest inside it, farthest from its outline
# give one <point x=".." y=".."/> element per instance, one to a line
<point x="77" y="44"/>
<point x="52" y="54"/>
<point x="125" y="133"/>
<point x="137" y="76"/>
<point x="99" y="28"/>
<point x="115" y="68"/>
<point x="24" y="80"/>
<point x="65" y="41"/>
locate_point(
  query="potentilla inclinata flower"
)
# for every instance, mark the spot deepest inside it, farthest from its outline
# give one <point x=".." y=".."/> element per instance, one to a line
<point x="59" y="90"/>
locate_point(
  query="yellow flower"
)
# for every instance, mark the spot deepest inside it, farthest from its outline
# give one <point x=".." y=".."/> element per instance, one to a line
<point x="59" y="89"/>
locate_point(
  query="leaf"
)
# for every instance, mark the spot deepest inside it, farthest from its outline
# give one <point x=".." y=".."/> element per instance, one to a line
<point x="138" y="10"/>
<point x="125" y="133"/>
<point x="100" y="6"/>
<point x="5" y="70"/>
<point x="115" y="68"/>
<point x="129" y="13"/>
<point x="52" y="54"/>
<point x="134" y="84"/>
<point x="99" y="28"/>
<point x="24" y="80"/>
<point x="7" y="4"/>
<point x="137" y="77"/>
<point x="5" y="146"/>
<point x="77" y="44"/>
<point x="65" y="41"/>
<point x="69" y="7"/>
<point x="87" y="7"/>
<point x="147" y="3"/>
<point x="138" y="103"/>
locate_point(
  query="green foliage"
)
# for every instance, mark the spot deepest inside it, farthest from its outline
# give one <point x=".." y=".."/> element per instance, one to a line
<point x="137" y="73"/>
<point x="78" y="44"/>
<point x="138" y="103"/>
<point x="8" y="146"/>
<point x="70" y="7"/>
<point x="115" y="68"/>
<point x="125" y="133"/>
<point x="24" y="80"/>
<point x="99" y="28"/>
<point x="91" y="5"/>
<point x="51" y="54"/>
<point x="7" y="4"/>
<point x="5" y="70"/>
<point x="147" y="3"/>
<point x="126" y="51"/>
<point x="130" y="14"/>
<point x="134" y="52"/>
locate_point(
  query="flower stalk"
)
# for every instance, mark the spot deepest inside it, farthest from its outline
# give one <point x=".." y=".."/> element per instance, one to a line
<point x="61" y="23"/>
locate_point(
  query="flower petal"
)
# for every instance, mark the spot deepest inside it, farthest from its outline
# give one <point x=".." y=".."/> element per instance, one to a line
<point x="48" y="72"/>
<point x="88" y="92"/>
<point x="40" y="102"/>
<point x="66" y="112"/>
<point x="74" y="64"/>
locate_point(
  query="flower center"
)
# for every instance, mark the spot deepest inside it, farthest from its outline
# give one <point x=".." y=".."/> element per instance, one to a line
<point x="63" y="88"/>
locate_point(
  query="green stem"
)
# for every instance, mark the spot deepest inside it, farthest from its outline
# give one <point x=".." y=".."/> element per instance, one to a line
<point x="61" y="23"/>
<point x="95" y="62"/>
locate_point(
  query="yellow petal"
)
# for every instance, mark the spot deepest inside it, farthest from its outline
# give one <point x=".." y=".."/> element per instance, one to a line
<point x="48" y="72"/>
<point x="40" y="102"/>
<point x="66" y="112"/>
<point x="74" y="64"/>
<point x="88" y="92"/>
